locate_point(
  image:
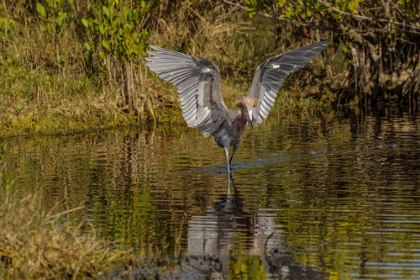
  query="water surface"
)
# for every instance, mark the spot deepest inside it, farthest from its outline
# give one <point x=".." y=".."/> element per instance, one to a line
<point x="315" y="195"/>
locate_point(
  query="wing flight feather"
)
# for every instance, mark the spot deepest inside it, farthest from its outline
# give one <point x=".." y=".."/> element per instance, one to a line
<point x="198" y="83"/>
<point x="271" y="74"/>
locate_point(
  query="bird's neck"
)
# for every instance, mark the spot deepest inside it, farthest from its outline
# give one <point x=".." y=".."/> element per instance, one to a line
<point x="241" y="122"/>
<point x="245" y="115"/>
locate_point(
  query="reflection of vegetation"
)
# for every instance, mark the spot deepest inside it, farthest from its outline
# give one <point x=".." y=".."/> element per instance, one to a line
<point x="35" y="243"/>
<point x="6" y="180"/>
<point x="336" y="180"/>
<point x="128" y="179"/>
<point x="338" y="201"/>
<point x="246" y="267"/>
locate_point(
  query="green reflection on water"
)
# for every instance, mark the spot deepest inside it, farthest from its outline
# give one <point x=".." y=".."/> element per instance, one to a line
<point x="343" y="189"/>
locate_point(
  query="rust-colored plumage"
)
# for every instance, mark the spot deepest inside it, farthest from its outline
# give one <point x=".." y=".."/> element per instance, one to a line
<point x="240" y="122"/>
<point x="198" y="82"/>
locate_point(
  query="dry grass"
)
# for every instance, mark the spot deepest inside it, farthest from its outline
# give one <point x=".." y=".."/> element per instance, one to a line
<point x="35" y="244"/>
<point x="38" y="95"/>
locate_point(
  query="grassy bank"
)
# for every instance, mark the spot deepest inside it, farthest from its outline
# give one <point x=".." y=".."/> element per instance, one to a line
<point x="39" y="244"/>
<point x="87" y="107"/>
<point x="63" y="79"/>
<point x="32" y="101"/>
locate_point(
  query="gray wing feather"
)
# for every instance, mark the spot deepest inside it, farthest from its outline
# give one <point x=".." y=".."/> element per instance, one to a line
<point x="198" y="83"/>
<point x="271" y="74"/>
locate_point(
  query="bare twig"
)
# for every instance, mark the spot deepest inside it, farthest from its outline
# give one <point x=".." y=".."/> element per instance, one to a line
<point x="401" y="25"/>
<point x="310" y="25"/>
<point x="405" y="26"/>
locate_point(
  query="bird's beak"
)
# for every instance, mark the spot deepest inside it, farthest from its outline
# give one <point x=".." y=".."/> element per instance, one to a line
<point x="250" y="118"/>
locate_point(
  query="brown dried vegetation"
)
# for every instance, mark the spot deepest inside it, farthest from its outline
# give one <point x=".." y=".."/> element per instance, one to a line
<point x="51" y="83"/>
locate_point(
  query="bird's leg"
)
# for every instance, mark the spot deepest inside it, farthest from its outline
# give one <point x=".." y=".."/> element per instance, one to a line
<point x="235" y="147"/>
<point x="227" y="162"/>
<point x="228" y="187"/>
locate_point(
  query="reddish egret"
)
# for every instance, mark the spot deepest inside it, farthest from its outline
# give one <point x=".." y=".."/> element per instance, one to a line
<point x="198" y="83"/>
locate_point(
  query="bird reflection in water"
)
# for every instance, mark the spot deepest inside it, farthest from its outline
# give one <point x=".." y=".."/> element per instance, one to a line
<point x="225" y="225"/>
<point x="198" y="83"/>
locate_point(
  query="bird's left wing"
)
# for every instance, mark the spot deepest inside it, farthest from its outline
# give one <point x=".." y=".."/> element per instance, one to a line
<point x="198" y="83"/>
<point x="271" y="74"/>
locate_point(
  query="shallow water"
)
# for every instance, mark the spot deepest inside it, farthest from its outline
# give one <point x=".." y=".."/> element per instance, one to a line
<point x="315" y="195"/>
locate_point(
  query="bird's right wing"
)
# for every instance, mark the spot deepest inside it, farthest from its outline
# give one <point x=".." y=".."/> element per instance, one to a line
<point x="271" y="74"/>
<point x="198" y="83"/>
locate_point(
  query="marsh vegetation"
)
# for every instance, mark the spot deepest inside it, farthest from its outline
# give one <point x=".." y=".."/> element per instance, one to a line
<point x="343" y="198"/>
<point x="69" y="65"/>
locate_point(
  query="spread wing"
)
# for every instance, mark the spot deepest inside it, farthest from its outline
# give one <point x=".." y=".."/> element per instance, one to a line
<point x="271" y="74"/>
<point x="198" y="83"/>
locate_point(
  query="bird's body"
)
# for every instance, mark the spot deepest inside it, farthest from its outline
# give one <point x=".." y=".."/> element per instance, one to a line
<point x="198" y="83"/>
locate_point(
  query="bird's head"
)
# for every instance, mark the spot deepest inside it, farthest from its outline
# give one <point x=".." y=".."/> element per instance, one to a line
<point x="247" y="103"/>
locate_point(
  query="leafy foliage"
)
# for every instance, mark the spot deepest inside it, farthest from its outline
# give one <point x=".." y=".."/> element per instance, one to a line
<point x="6" y="23"/>
<point x="114" y="24"/>
<point x="371" y="34"/>
<point x="53" y="20"/>
<point x="116" y="31"/>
